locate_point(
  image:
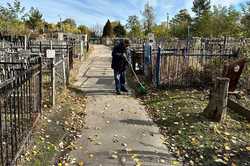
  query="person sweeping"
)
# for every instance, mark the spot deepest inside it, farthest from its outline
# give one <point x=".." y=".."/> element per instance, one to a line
<point x="120" y="65"/>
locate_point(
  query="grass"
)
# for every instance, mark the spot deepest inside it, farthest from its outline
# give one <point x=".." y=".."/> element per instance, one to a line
<point x="56" y="132"/>
<point x="193" y="138"/>
<point x="54" y="136"/>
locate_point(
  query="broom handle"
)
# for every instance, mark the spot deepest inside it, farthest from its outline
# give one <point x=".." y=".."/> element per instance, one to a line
<point x="131" y="67"/>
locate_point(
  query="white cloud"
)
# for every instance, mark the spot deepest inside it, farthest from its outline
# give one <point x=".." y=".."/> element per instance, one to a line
<point x="227" y="2"/>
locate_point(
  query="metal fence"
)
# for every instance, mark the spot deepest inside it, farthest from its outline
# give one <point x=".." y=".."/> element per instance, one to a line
<point x="182" y="64"/>
<point x="137" y="58"/>
<point x="55" y="70"/>
<point x="189" y="67"/>
<point x="20" y="105"/>
<point x="26" y="76"/>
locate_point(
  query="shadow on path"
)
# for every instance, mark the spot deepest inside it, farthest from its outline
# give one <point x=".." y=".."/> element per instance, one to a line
<point x="137" y="122"/>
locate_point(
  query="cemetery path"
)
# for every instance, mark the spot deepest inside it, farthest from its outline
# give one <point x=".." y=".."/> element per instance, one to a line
<point x="118" y="130"/>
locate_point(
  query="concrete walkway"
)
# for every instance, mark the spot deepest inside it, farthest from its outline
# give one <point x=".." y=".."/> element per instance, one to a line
<point x="118" y="132"/>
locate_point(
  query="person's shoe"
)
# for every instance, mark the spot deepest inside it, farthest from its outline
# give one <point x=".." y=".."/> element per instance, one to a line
<point x="124" y="90"/>
<point x="118" y="92"/>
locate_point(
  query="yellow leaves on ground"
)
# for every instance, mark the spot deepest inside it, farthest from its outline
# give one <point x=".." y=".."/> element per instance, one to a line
<point x="227" y="147"/>
<point x="248" y="148"/>
<point x="81" y="163"/>
<point x="175" y="163"/>
<point x="137" y="161"/>
<point x="220" y="161"/>
<point x="194" y="141"/>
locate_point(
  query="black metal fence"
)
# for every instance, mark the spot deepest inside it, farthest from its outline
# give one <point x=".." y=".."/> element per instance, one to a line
<point x="20" y="105"/>
<point x="26" y="76"/>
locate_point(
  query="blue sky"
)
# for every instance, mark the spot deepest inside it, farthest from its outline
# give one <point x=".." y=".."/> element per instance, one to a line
<point x="91" y="12"/>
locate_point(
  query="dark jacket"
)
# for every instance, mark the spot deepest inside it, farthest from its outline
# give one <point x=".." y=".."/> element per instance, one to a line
<point x="119" y="62"/>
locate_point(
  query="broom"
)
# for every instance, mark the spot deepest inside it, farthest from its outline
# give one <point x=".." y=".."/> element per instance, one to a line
<point x="140" y="88"/>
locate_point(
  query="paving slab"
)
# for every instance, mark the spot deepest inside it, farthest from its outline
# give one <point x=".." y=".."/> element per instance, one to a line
<point x="118" y="130"/>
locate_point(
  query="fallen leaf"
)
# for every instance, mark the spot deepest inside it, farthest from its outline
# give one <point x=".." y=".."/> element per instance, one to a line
<point x="162" y="161"/>
<point x="220" y="161"/>
<point x="114" y="156"/>
<point x="81" y="163"/>
<point x="61" y="145"/>
<point x="194" y="141"/>
<point x="91" y="155"/>
<point x="98" y="143"/>
<point x="175" y="163"/>
<point x="227" y="147"/>
<point x="124" y="144"/>
<point x="191" y="162"/>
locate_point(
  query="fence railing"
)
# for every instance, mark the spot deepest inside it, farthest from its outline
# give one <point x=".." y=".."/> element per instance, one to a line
<point x="56" y="70"/>
<point x="20" y="105"/>
<point x="26" y="76"/>
<point x="189" y="68"/>
<point x="181" y="67"/>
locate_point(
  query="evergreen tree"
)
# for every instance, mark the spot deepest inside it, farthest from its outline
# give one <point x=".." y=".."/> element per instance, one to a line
<point x="180" y="24"/>
<point x="119" y="30"/>
<point x="201" y="6"/>
<point x="107" y="30"/>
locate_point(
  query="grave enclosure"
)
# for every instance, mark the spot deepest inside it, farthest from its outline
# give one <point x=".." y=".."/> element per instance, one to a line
<point x="192" y="63"/>
<point x="30" y="77"/>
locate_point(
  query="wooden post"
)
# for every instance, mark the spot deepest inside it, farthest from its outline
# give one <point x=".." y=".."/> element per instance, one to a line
<point x="217" y="107"/>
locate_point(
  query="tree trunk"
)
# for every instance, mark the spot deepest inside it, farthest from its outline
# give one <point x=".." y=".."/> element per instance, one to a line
<point x="217" y="107"/>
